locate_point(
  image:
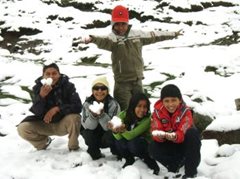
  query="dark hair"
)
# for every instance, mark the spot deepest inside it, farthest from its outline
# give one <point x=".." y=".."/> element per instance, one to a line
<point x="171" y="90"/>
<point x="52" y="65"/>
<point x="131" y="117"/>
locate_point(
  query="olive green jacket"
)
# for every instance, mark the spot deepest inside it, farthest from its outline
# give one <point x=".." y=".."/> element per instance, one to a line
<point x="142" y="128"/>
<point x="127" y="61"/>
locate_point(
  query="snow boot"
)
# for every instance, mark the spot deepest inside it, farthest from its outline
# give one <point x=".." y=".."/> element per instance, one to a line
<point x="129" y="161"/>
<point x="152" y="164"/>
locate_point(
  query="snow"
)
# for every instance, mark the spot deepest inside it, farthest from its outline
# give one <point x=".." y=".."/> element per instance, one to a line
<point x="116" y="122"/>
<point x="185" y="58"/>
<point x="158" y="133"/>
<point x="96" y="107"/>
<point x="47" y="81"/>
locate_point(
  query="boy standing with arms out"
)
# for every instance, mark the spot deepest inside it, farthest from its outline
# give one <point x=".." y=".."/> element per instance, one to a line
<point x="126" y="47"/>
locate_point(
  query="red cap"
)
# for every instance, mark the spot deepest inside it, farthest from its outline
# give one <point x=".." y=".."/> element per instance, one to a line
<point x="120" y="14"/>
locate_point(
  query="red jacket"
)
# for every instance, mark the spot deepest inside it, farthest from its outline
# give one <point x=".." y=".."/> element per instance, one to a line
<point x="178" y="122"/>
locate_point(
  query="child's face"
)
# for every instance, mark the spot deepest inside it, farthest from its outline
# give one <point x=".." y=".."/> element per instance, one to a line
<point x="120" y="28"/>
<point x="100" y="92"/>
<point x="141" y="109"/>
<point x="171" y="103"/>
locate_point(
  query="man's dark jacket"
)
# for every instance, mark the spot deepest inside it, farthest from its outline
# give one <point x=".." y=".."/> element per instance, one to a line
<point x="63" y="95"/>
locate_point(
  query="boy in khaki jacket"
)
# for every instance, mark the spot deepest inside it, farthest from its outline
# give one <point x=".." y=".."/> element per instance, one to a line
<point x="126" y="47"/>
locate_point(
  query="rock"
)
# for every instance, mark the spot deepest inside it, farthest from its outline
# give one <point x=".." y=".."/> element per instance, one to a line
<point x="223" y="137"/>
<point x="201" y="121"/>
<point x="2" y="135"/>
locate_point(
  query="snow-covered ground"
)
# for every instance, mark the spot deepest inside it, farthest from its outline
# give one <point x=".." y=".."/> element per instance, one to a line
<point x="185" y="58"/>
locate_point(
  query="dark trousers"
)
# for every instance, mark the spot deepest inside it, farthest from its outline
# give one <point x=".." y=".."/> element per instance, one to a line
<point x="129" y="148"/>
<point x="98" y="138"/>
<point x="136" y="147"/>
<point x="174" y="155"/>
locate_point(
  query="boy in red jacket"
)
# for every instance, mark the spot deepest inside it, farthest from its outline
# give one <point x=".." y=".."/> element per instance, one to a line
<point x="176" y="142"/>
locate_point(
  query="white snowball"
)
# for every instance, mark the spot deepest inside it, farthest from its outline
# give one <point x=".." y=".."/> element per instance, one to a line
<point x="171" y="134"/>
<point x="116" y="122"/>
<point x="158" y="133"/>
<point x="47" y="81"/>
<point x="96" y="107"/>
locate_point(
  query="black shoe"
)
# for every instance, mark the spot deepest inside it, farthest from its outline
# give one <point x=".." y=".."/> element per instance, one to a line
<point x="95" y="153"/>
<point x="129" y="161"/>
<point x="98" y="156"/>
<point x="156" y="171"/>
<point x="119" y="158"/>
<point x="178" y="175"/>
<point x="49" y="140"/>
<point x="173" y="168"/>
<point x="189" y="176"/>
<point x="152" y="164"/>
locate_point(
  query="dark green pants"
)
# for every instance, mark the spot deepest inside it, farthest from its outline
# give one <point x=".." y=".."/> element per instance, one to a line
<point x="123" y="91"/>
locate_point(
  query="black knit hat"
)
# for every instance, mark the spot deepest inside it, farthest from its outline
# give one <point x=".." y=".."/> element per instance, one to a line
<point x="170" y="91"/>
<point x="52" y="65"/>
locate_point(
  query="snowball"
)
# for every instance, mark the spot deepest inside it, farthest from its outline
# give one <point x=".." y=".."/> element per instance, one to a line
<point x="47" y="81"/>
<point x="116" y="122"/>
<point x="171" y="134"/>
<point x="158" y="133"/>
<point x="96" y="107"/>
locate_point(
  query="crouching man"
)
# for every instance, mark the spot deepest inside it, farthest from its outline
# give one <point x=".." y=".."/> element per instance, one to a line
<point x="56" y="108"/>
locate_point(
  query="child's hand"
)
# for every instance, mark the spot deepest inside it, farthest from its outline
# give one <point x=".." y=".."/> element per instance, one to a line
<point x="82" y="40"/>
<point x="178" y="33"/>
<point x="96" y="114"/>
<point x="109" y="125"/>
<point x="45" y="90"/>
<point x="87" y="39"/>
<point x="161" y="134"/>
<point x="171" y="136"/>
<point x="122" y="128"/>
<point x="119" y="129"/>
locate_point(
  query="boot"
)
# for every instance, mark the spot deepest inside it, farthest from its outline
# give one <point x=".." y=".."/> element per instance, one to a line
<point x="49" y="140"/>
<point x="95" y="153"/>
<point x="152" y="164"/>
<point x="189" y="176"/>
<point x="129" y="161"/>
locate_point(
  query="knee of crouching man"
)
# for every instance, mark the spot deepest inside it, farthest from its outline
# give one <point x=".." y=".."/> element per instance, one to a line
<point x="75" y="119"/>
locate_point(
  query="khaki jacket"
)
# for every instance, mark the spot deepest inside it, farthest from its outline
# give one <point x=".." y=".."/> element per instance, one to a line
<point x="127" y="61"/>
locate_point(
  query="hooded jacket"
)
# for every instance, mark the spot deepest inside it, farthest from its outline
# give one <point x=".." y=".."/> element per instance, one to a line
<point x="127" y="61"/>
<point x="63" y="95"/>
<point x="111" y="108"/>
<point x="178" y="122"/>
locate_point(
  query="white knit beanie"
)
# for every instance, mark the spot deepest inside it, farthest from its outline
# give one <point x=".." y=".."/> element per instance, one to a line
<point x="102" y="80"/>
